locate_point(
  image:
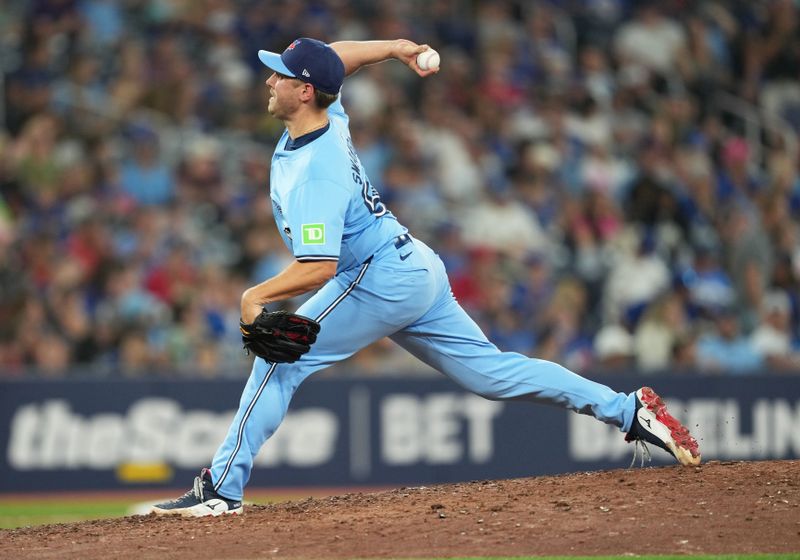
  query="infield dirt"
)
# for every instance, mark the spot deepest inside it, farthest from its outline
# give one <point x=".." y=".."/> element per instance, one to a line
<point x="718" y="507"/>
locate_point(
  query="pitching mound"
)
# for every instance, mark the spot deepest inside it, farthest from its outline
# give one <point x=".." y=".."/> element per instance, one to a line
<point x="727" y="507"/>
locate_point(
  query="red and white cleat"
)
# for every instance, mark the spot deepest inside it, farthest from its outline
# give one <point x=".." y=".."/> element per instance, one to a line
<point x="653" y="424"/>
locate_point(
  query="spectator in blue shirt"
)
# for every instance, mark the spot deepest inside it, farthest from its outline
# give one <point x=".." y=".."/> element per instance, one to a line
<point x="144" y="177"/>
<point x="725" y="350"/>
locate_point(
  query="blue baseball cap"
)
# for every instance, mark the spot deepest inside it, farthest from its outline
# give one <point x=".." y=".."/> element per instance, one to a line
<point x="309" y="60"/>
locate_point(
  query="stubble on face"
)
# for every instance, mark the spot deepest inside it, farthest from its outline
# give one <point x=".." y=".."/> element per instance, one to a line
<point x="273" y="106"/>
<point x="281" y="104"/>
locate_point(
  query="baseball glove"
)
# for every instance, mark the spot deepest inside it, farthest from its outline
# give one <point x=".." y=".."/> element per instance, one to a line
<point x="279" y="336"/>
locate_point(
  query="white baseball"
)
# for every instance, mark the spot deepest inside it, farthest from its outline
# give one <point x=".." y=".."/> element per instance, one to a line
<point x="428" y="60"/>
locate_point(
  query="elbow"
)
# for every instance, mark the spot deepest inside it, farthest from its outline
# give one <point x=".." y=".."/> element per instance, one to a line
<point x="310" y="275"/>
<point x="325" y="270"/>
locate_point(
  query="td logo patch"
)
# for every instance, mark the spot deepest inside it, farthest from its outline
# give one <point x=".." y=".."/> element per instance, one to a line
<point x="313" y="234"/>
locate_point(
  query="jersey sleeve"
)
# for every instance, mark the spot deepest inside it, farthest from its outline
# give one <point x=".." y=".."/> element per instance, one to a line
<point x="317" y="212"/>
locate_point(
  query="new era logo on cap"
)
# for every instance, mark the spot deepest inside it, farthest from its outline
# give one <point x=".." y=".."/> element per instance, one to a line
<point x="309" y="60"/>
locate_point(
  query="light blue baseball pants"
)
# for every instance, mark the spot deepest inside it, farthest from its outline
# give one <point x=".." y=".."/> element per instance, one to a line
<point x="411" y="302"/>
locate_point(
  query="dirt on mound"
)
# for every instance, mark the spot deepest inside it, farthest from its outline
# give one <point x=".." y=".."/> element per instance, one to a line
<point x="719" y="507"/>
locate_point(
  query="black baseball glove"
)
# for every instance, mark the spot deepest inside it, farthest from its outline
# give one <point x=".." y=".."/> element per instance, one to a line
<point x="279" y="336"/>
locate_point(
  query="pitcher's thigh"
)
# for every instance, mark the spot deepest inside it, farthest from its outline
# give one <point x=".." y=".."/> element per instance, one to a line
<point x="357" y="308"/>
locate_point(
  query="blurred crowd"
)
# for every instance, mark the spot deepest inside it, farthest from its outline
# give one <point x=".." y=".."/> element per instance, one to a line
<point x="612" y="184"/>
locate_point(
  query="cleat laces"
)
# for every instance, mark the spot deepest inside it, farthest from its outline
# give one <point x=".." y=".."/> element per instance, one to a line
<point x="196" y="492"/>
<point x="645" y="453"/>
<point x="198" y="488"/>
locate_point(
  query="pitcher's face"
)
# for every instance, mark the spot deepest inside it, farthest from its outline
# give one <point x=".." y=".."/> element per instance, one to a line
<point x="284" y="95"/>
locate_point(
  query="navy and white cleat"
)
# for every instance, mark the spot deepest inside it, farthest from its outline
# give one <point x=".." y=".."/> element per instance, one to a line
<point x="653" y="424"/>
<point x="200" y="501"/>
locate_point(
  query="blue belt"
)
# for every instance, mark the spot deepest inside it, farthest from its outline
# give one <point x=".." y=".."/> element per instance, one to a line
<point x="401" y="240"/>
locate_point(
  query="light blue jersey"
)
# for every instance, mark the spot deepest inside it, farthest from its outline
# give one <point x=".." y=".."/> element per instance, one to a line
<point x="387" y="285"/>
<point x="324" y="205"/>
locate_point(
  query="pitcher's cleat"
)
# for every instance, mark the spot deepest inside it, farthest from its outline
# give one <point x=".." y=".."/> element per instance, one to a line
<point x="200" y="501"/>
<point x="653" y="424"/>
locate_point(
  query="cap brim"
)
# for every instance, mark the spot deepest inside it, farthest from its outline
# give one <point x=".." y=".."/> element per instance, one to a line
<point x="273" y="61"/>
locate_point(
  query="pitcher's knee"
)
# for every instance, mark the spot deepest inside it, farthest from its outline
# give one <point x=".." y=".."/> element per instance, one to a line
<point x="490" y="383"/>
<point x="491" y="393"/>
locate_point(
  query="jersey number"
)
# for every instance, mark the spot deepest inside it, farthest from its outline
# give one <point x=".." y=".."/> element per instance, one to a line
<point x="373" y="200"/>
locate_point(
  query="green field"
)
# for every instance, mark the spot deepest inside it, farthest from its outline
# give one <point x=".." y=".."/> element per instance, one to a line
<point x="32" y="512"/>
<point x="21" y="512"/>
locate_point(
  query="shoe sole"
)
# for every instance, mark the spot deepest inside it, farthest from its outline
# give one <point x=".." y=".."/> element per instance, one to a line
<point x="681" y="443"/>
<point x="194" y="511"/>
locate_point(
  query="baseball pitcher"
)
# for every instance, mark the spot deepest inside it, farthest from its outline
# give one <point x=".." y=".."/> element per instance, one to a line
<point x="373" y="280"/>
